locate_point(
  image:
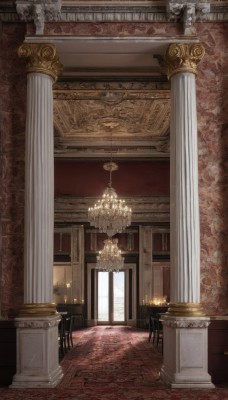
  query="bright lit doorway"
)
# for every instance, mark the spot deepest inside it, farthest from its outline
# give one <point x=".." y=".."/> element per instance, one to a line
<point x="111" y="297"/>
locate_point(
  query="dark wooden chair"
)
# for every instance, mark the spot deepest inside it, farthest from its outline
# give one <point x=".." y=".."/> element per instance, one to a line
<point x="155" y="325"/>
<point x="61" y="338"/>
<point x="159" y="332"/>
<point x="67" y="333"/>
<point x="64" y="334"/>
<point x="73" y="324"/>
<point x="152" y="328"/>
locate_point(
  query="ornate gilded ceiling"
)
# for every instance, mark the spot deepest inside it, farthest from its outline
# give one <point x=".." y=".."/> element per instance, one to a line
<point x="89" y="117"/>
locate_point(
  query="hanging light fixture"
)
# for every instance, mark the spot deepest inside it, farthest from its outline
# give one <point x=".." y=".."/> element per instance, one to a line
<point x="109" y="258"/>
<point x="110" y="214"/>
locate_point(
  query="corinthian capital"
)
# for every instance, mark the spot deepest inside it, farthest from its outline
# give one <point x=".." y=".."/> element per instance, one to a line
<point x="41" y="58"/>
<point x="39" y="11"/>
<point x="183" y="58"/>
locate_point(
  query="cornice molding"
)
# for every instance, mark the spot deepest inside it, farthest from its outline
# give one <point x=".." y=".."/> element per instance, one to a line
<point x="185" y="11"/>
<point x="157" y="148"/>
<point x="145" y="209"/>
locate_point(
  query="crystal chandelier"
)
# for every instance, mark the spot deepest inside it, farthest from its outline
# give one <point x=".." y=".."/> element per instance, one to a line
<point x="110" y="214"/>
<point x="110" y="259"/>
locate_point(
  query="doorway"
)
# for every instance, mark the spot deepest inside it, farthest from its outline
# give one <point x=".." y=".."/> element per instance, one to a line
<point x="125" y="279"/>
<point x="111" y="301"/>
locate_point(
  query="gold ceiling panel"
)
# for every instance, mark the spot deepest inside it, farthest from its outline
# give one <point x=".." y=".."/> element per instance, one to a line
<point x="132" y="115"/>
<point x="77" y="120"/>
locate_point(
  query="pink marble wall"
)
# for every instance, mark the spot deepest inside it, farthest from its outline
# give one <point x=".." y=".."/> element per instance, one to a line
<point x="109" y="29"/>
<point x="212" y="92"/>
<point x="12" y="128"/>
<point x="212" y="85"/>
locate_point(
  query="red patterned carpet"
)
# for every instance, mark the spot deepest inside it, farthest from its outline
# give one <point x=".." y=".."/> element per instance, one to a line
<point x="112" y="363"/>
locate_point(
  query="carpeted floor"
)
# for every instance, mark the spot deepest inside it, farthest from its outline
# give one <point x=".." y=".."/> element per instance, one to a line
<point x="112" y="363"/>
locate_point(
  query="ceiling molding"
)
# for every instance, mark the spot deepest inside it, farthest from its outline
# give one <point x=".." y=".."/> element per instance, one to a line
<point x="145" y="209"/>
<point x="159" y="150"/>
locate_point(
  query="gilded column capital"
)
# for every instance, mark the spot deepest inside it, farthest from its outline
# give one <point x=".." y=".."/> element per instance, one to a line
<point x="41" y="58"/>
<point x="183" y="58"/>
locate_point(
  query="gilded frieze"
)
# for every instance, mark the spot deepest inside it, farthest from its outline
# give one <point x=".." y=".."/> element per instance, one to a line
<point x="136" y="118"/>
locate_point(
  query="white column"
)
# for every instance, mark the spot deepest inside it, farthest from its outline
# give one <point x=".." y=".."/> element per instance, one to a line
<point x="39" y="190"/>
<point x="37" y="324"/>
<point x="185" y="236"/>
<point x="184" y="204"/>
<point x="185" y="356"/>
<point x="42" y="67"/>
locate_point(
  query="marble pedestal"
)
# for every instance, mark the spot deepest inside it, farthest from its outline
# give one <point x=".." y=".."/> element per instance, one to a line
<point x="37" y="353"/>
<point x="185" y="352"/>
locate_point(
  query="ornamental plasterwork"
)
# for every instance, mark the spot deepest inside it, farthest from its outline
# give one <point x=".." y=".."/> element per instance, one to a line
<point x="188" y="12"/>
<point x="146" y="209"/>
<point x="137" y="119"/>
<point x="124" y="11"/>
<point x="39" y="11"/>
<point x="36" y="324"/>
<point x="186" y="323"/>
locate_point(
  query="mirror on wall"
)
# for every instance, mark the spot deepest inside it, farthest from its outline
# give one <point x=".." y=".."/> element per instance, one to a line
<point x="62" y="283"/>
<point x="68" y="269"/>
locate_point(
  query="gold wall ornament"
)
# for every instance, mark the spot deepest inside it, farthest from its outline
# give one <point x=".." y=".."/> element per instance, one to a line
<point x="183" y="58"/>
<point x="41" y="58"/>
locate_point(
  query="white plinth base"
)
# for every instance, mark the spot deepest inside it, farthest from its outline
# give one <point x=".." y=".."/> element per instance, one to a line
<point x="185" y="352"/>
<point x="37" y="353"/>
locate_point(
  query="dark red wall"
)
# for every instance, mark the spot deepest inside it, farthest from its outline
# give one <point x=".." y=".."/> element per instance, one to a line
<point x="88" y="178"/>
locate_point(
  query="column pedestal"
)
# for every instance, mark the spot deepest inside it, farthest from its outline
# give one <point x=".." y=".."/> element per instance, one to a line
<point x="185" y="362"/>
<point x="37" y="353"/>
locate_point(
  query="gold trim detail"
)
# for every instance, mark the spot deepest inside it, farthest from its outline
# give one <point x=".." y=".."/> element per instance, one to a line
<point x="183" y="58"/>
<point x="37" y="310"/>
<point x="186" y="310"/>
<point x="41" y="58"/>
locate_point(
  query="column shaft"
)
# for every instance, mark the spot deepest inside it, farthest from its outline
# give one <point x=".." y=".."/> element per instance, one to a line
<point x="39" y="190"/>
<point x="185" y="236"/>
